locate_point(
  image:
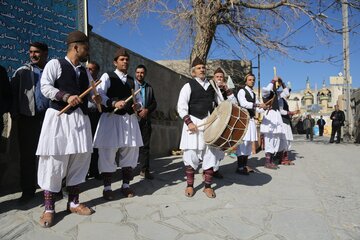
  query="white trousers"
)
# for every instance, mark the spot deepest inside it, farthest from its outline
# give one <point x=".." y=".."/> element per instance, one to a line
<point x="209" y="155"/>
<point x="272" y="142"/>
<point x="285" y="145"/>
<point x="128" y="157"/>
<point x="53" y="169"/>
<point x="244" y="149"/>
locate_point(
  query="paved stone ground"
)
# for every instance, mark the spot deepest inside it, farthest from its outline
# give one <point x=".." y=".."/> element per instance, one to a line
<point x="318" y="198"/>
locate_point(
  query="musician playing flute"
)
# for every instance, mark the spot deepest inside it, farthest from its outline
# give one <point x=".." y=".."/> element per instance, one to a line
<point x="196" y="102"/>
<point x="271" y="125"/>
<point x="118" y="131"/>
<point x="65" y="143"/>
<point x="247" y="99"/>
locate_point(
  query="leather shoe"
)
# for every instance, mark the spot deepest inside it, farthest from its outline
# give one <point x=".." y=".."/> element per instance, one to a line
<point x="108" y="195"/>
<point x="127" y="192"/>
<point x="146" y="174"/>
<point x="82" y="209"/>
<point x="249" y="169"/>
<point x="242" y="171"/>
<point x="210" y="193"/>
<point x="189" y="191"/>
<point x="47" y="219"/>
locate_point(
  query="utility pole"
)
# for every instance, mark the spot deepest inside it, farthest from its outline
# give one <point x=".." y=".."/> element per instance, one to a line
<point x="258" y="69"/>
<point x="346" y="91"/>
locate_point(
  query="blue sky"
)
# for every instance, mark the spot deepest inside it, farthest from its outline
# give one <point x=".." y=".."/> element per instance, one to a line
<point x="151" y="40"/>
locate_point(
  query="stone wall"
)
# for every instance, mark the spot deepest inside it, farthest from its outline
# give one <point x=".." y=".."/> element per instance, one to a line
<point x="166" y="125"/>
<point x="166" y="83"/>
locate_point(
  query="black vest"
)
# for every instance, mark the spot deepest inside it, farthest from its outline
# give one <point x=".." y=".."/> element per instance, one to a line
<point x="250" y="99"/>
<point x="69" y="83"/>
<point x="275" y="103"/>
<point x="119" y="91"/>
<point x="286" y="118"/>
<point x="201" y="101"/>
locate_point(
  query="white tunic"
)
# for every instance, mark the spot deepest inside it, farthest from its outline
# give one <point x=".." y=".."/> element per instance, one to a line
<point x="67" y="133"/>
<point x="272" y="120"/>
<point x="114" y="130"/>
<point x="286" y="127"/>
<point x="251" y="133"/>
<point x="196" y="140"/>
<point x="287" y="137"/>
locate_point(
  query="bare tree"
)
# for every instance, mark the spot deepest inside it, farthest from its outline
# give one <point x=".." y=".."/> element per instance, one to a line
<point x="256" y="24"/>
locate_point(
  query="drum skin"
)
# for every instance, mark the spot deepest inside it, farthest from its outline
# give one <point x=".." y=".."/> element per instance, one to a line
<point x="226" y="126"/>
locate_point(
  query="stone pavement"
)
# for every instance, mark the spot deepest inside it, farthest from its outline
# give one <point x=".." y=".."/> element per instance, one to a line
<point x="318" y="198"/>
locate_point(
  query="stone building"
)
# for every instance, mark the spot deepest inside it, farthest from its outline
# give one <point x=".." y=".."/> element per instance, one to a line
<point x="236" y="69"/>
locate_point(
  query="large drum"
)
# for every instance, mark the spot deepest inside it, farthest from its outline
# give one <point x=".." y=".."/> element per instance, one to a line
<point x="226" y="126"/>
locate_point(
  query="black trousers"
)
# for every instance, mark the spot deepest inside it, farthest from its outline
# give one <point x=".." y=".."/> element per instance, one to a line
<point x="321" y="131"/>
<point x="144" y="151"/>
<point x="337" y="130"/>
<point x="309" y="131"/>
<point x="94" y="119"/>
<point x="29" y="129"/>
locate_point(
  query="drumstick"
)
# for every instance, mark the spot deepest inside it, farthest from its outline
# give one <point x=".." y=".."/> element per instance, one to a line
<point x="134" y="100"/>
<point x="81" y="96"/>
<point x="201" y="125"/>
<point x="98" y="105"/>
<point x="128" y="99"/>
<point x="206" y="123"/>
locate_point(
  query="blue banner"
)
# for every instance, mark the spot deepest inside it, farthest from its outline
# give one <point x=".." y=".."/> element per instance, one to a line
<point x="26" y="21"/>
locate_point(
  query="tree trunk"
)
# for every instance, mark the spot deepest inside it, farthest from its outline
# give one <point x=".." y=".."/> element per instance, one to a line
<point x="205" y="27"/>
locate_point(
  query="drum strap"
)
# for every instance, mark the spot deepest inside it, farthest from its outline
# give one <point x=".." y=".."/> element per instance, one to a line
<point x="217" y="90"/>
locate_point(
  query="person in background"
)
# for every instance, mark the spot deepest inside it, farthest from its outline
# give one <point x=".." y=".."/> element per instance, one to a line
<point x="94" y="115"/>
<point x="5" y="96"/>
<point x="28" y="110"/>
<point x="308" y="124"/>
<point x="338" y="119"/>
<point x="321" y="123"/>
<point x="148" y="106"/>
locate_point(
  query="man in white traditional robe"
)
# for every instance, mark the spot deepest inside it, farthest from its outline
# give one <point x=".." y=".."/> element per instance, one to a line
<point x="271" y="125"/>
<point x="196" y="102"/>
<point x="65" y="143"/>
<point x="118" y="131"/>
<point x="247" y="99"/>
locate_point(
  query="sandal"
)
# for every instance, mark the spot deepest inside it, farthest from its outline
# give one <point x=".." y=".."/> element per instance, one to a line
<point x="249" y="169"/>
<point x="210" y="193"/>
<point x="287" y="162"/>
<point x="189" y="191"/>
<point x="47" y="219"/>
<point x="271" y="166"/>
